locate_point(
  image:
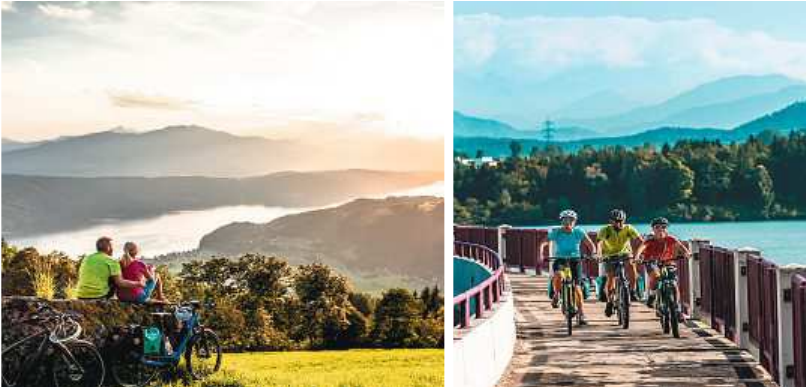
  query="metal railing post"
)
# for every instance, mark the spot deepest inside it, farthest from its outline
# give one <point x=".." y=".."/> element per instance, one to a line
<point x="742" y="306"/>
<point x="502" y="245"/>
<point x="694" y="276"/>
<point x="786" y="356"/>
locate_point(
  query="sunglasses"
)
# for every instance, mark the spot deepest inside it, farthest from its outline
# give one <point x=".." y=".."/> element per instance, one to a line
<point x="659" y="226"/>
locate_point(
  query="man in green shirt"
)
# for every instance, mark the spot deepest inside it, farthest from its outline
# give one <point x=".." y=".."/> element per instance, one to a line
<point x="98" y="271"/>
<point x="614" y="241"/>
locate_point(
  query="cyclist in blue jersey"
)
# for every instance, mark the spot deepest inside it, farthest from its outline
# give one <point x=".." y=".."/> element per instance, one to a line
<point x="564" y="243"/>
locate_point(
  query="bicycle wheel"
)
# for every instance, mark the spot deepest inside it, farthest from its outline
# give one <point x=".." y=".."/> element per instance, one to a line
<point x="203" y="355"/>
<point x="85" y="368"/>
<point x="129" y="371"/>
<point x="568" y="308"/>
<point x="624" y="306"/>
<point x="673" y="316"/>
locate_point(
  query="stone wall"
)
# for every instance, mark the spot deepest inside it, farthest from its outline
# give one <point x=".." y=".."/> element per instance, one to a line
<point x="104" y="322"/>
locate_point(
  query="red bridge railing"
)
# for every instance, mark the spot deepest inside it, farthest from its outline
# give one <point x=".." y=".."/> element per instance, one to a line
<point x="484" y="295"/>
<point x="737" y="290"/>
<point x="763" y="311"/>
<point x="799" y="328"/>
<point x="718" y="289"/>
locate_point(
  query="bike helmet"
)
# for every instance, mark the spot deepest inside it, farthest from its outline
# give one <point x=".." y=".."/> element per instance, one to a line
<point x="568" y="214"/>
<point x="659" y="221"/>
<point x="183" y="313"/>
<point x="618" y="215"/>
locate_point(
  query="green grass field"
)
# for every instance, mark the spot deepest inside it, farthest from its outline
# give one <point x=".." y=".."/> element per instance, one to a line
<point x="353" y="368"/>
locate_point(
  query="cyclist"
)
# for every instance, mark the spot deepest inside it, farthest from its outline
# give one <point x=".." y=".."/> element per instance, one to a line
<point x="659" y="248"/>
<point x="564" y="242"/>
<point x="614" y="241"/>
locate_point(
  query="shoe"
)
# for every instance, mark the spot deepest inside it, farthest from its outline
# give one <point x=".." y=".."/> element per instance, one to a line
<point x="650" y="301"/>
<point x="609" y="309"/>
<point x="633" y="296"/>
<point x="583" y="320"/>
<point x="555" y="302"/>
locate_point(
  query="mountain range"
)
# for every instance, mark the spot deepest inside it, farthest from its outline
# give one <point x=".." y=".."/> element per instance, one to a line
<point x="37" y="205"/>
<point x="198" y="151"/>
<point x="722" y="104"/>
<point x="790" y="118"/>
<point x="397" y="239"/>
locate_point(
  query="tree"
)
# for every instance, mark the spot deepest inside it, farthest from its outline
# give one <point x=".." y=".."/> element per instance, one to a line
<point x="515" y="149"/>
<point x="397" y="319"/>
<point x="324" y="303"/>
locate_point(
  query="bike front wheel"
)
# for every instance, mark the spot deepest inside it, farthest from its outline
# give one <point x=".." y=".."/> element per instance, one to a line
<point x="673" y="316"/>
<point x="77" y="364"/>
<point x="568" y="307"/>
<point x="624" y="307"/>
<point x="128" y="370"/>
<point x="203" y="355"/>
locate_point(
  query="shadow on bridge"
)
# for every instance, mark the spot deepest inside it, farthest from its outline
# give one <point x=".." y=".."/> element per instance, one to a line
<point x="604" y="354"/>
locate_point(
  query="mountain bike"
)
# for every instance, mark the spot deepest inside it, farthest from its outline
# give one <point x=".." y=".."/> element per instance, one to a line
<point x="666" y="302"/>
<point x="568" y="299"/>
<point x="54" y="352"/>
<point x="134" y="367"/>
<point x="620" y="298"/>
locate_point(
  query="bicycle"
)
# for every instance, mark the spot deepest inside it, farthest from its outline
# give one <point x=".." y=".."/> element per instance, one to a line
<point x="568" y="289"/>
<point x="666" y="302"/>
<point x="620" y="297"/>
<point x="132" y="367"/>
<point x="59" y="353"/>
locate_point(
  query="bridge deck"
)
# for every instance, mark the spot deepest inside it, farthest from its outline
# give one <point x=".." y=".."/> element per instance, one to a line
<point x="604" y="354"/>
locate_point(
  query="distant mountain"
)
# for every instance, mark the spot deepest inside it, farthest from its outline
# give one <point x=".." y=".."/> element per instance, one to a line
<point x="198" y="151"/>
<point x="792" y="117"/>
<point x="12" y="145"/>
<point x="469" y="126"/>
<point x="399" y="237"/>
<point x="744" y="96"/>
<point x="733" y="113"/>
<point x="600" y="104"/>
<point x="35" y="205"/>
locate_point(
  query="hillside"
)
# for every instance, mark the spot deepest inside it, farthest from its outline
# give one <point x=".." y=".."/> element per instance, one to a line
<point x="792" y="117"/>
<point x="198" y="151"/>
<point x="35" y="205"/>
<point x="469" y="126"/>
<point x="397" y="237"/>
<point x="723" y="103"/>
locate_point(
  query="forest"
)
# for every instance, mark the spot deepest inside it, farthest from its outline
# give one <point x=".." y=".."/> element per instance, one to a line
<point x="691" y="180"/>
<point x="262" y="303"/>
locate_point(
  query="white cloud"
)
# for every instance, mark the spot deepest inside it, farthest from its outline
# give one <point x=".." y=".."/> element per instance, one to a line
<point x="238" y="62"/>
<point x="548" y="45"/>
<point x="8" y="6"/>
<point x="59" y="12"/>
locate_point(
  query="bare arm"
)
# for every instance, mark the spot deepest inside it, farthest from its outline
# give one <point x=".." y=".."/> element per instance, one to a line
<point x="590" y="244"/>
<point x="640" y="249"/>
<point x="682" y="247"/>
<point x="126" y="284"/>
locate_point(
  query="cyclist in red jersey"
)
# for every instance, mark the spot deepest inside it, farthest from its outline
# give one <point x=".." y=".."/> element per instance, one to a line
<point x="660" y="247"/>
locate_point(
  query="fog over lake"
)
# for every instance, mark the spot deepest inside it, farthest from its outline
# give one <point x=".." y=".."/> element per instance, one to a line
<point x="177" y="231"/>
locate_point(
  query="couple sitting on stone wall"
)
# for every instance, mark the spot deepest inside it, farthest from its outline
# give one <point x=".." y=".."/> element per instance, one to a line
<point x="100" y="276"/>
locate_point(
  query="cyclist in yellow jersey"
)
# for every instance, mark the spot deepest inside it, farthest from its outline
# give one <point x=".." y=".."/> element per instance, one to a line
<point x="614" y="241"/>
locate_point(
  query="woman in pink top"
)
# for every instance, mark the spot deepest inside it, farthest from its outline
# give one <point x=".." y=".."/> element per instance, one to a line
<point x="135" y="269"/>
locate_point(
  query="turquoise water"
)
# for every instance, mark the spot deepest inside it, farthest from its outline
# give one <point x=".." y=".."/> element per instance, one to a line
<point x="783" y="242"/>
<point x="467" y="274"/>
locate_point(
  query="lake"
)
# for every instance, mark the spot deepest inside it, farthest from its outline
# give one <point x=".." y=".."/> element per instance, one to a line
<point x="176" y="231"/>
<point x="783" y="242"/>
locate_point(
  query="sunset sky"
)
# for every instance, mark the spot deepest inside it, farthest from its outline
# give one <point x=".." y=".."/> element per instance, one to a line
<point x="247" y="68"/>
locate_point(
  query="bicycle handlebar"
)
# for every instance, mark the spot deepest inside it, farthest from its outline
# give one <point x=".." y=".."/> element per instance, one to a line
<point x="582" y="258"/>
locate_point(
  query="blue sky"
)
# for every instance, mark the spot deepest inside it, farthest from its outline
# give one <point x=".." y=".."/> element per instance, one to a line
<point x="523" y="61"/>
